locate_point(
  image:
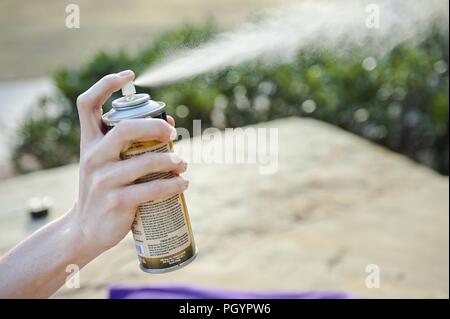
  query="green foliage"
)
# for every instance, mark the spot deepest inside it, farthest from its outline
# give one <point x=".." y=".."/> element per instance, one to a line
<point x="399" y="100"/>
<point x="47" y="141"/>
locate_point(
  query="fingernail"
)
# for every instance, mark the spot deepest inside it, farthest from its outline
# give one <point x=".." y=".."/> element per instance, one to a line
<point x="173" y="134"/>
<point x="125" y="73"/>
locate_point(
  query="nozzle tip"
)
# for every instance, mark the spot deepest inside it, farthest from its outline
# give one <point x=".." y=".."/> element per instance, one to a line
<point x="128" y="89"/>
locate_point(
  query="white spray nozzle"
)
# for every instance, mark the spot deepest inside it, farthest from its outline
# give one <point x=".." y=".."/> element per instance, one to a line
<point x="128" y="89"/>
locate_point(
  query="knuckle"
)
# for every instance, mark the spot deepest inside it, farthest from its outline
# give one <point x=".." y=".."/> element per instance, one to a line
<point x="175" y="159"/>
<point x="150" y="160"/>
<point x="169" y="162"/>
<point x="160" y="124"/>
<point x="158" y="188"/>
<point x="100" y="180"/>
<point x="87" y="161"/>
<point x="116" y="200"/>
<point x="171" y="186"/>
<point x="124" y="128"/>
<point x="82" y="100"/>
<point x="181" y="184"/>
<point x="164" y="129"/>
<point x="110" y="79"/>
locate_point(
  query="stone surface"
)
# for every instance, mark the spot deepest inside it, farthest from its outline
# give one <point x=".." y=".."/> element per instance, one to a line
<point x="336" y="204"/>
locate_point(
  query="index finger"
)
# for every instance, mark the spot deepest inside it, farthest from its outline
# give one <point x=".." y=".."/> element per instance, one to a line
<point x="121" y="136"/>
<point x="90" y="103"/>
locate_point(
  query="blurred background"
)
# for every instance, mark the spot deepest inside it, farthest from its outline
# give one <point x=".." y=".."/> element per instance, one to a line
<point x="398" y="101"/>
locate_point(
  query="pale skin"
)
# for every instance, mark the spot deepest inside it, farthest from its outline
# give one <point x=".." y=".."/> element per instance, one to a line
<point x="107" y="200"/>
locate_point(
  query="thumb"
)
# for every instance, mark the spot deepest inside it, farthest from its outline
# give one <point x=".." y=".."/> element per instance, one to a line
<point x="90" y="103"/>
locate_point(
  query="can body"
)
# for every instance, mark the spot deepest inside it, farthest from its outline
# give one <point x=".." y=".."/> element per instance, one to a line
<point x="161" y="229"/>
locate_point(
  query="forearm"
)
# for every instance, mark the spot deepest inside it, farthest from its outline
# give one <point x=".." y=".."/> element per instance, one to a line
<point x="36" y="268"/>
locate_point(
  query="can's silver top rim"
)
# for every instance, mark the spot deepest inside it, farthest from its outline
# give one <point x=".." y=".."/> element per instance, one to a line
<point x="130" y="101"/>
<point x="140" y="107"/>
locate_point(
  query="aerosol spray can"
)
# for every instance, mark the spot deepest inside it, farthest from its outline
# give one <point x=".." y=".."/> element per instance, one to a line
<point x="161" y="229"/>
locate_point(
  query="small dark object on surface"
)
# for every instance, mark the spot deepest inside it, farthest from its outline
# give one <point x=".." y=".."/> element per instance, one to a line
<point x="39" y="207"/>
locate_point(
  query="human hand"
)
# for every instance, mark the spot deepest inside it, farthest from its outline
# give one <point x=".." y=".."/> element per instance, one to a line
<point x="108" y="200"/>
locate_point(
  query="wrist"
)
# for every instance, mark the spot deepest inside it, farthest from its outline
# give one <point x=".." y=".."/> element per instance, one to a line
<point x="37" y="267"/>
<point x="82" y="249"/>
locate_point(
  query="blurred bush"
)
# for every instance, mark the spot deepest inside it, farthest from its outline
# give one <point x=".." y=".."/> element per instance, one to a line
<point x="399" y="100"/>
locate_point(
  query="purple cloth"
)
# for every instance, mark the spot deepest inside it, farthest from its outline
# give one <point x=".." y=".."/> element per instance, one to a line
<point x="189" y="292"/>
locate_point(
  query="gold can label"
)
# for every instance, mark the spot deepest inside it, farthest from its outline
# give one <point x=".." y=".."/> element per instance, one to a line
<point x="161" y="229"/>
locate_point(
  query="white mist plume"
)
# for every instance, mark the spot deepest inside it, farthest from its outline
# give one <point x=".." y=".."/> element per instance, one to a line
<point x="315" y="25"/>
